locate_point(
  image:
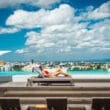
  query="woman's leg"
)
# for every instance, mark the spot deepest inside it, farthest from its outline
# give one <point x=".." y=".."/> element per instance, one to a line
<point x="58" y="72"/>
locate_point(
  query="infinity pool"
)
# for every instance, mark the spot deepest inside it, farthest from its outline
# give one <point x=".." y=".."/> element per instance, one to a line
<point x="12" y="73"/>
<point x="89" y="72"/>
<point x="72" y="72"/>
<point x="22" y="76"/>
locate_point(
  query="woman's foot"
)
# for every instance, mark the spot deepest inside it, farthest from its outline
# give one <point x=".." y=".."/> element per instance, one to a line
<point x="67" y="75"/>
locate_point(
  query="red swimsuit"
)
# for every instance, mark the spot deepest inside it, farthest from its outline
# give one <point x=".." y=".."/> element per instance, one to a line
<point x="46" y="73"/>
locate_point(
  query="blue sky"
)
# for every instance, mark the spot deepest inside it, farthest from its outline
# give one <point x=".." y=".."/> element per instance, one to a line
<point x="54" y="30"/>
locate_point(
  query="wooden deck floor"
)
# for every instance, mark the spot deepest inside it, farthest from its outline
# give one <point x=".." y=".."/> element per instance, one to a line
<point x="79" y="96"/>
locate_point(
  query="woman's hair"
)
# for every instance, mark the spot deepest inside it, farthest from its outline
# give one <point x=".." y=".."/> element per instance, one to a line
<point x="40" y="67"/>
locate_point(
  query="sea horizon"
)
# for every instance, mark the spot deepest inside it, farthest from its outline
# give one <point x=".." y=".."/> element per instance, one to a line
<point x="80" y="61"/>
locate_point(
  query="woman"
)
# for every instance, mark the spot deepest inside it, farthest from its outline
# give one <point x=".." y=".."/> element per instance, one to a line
<point x="57" y="72"/>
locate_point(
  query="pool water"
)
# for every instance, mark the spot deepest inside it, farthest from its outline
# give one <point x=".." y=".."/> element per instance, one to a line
<point x="89" y="72"/>
<point x="72" y="72"/>
<point x="12" y="73"/>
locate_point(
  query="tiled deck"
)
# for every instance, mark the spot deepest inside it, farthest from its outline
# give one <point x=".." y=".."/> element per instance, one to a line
<point x="79" y="84"/>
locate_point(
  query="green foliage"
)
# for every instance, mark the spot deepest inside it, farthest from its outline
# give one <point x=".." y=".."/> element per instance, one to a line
<point x="98" y="66"/>
<point x="17" y="68"/>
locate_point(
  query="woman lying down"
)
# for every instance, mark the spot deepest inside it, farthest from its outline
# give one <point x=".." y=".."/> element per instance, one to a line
<point x="56" y="73"/>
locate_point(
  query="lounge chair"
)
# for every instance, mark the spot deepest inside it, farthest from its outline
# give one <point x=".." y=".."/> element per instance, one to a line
<point x="9" y="104"/>
<point x="48" y="81"/>
<point x="41" y="79"/>
<point x="101" y="104"/>
<point x="56" y="103"/>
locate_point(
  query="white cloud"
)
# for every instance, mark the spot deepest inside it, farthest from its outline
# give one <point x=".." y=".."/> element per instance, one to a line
<point x="44" y="3"/>
<point x="41" y="18"/>
<point x="58" y="39"/>
<point x="8" y="30"/>
<point x="62" y="31"/>
<point x="20" y="51"/>
<point x="14" y="3"/>
<point x="59" y="16"/>
<point x="32" y="38"/>
<point x="102" y="12"/>
<point x="2" y="52"/>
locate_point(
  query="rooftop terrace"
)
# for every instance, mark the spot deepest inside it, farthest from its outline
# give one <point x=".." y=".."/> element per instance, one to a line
<point x="79" y="96"/>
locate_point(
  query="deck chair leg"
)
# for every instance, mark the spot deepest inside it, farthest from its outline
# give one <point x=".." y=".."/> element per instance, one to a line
<point x="71" y="83"/>
<point x="38" y="84"/>
<point x="29" y="82"/>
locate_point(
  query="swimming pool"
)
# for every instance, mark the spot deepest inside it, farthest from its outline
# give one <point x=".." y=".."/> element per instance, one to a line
<point x="72" y="72"/>
<point x="89" y="72"/>
<point x="22" y="76"/>
<point x="12" y="73"/>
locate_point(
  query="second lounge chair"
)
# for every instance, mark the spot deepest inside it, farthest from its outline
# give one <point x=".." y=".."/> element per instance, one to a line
<point x="9" y="104"/>
<point x="57" y="103"/>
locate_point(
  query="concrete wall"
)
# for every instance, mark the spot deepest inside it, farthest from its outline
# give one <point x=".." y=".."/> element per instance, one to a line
<point x="21" y="78"/>
<point x="5" y="79"/>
